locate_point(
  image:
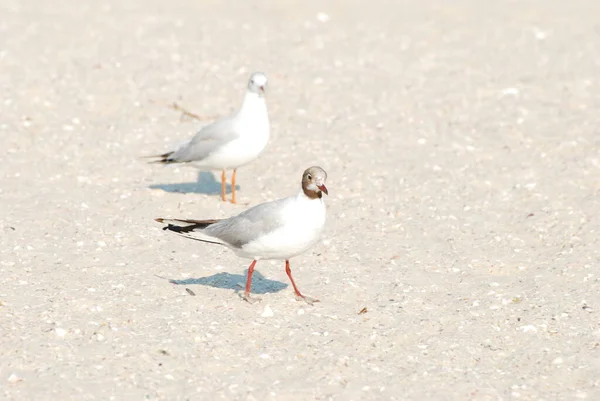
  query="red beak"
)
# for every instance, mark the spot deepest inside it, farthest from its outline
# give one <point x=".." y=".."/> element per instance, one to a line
<point x="262" y="89"/>
<point x="323" y="188"/>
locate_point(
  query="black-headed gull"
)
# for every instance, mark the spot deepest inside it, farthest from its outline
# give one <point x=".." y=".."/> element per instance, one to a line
<point x="279" y="229"/>
<point x="231" y="142"/>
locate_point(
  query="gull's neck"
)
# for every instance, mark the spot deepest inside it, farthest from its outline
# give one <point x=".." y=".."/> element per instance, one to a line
<point x="252" y="105"/>
<point x="306" y="194"/>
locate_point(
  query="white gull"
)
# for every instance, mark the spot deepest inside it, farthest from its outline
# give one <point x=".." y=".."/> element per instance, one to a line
<point x="279" y="229"/>
<point x="231" y="142"/>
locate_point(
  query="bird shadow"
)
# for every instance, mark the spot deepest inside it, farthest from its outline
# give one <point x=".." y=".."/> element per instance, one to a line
<point x="236" y="282"/>
<point x="205" y="184"/>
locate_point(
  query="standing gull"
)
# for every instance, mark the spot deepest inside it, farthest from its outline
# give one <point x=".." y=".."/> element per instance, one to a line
<point x="279" y="229"/>
<point x="231" y="142"/>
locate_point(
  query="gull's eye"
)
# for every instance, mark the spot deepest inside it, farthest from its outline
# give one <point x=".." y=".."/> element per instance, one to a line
<point x="309" y="177"/>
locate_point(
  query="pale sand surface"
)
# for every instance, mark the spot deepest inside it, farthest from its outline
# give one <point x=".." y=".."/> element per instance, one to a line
<point x="462" y="142"/>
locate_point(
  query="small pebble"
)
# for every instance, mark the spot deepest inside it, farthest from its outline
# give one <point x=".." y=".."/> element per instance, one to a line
<point x="322" y="17"/>
<point x="13" y="378"/>
<point x="528" y="329"/>
<point x="267" y="312"/>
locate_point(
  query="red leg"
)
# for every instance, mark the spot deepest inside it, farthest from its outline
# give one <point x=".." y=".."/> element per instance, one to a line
<point x="289" y="273"/>
<point x="223" y="185"/>
<point x="298" y="294"/>
<point x="249" y="283"/>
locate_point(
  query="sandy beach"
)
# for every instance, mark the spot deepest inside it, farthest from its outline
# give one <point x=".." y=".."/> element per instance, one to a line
<point x="461" y="255"/>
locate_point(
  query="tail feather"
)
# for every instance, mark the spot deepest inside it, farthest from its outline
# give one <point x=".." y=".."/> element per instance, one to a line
<point x="191" y="229"/>
<point x="187" y="226"/>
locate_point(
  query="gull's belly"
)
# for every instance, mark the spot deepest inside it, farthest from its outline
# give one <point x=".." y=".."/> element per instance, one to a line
<point x="284" y="243"/>
<point x="240" y="151"/>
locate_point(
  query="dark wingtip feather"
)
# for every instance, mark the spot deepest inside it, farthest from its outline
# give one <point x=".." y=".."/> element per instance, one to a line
<point x="163" y="159"/>
<point x="190" y="226"/>
<point x="179" y="229"/>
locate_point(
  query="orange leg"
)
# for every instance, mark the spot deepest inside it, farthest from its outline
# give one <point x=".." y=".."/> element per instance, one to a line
<point x="308" y="300"/>
<point x="249" y="284"/>
<point x="223" y="186"/>
<point x="233" y="186"/>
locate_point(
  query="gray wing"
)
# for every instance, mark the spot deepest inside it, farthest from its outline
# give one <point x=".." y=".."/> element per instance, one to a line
<point x="206" y="141"/>
<point x="250" y="224"/>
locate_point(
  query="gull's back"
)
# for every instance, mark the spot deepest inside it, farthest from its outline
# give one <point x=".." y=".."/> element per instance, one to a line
<point x="259" y="220"/>
<point x="207" y="141"/>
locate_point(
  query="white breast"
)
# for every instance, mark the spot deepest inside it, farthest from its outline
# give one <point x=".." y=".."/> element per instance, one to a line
<point x="304" y="221"/>
<point x="252" y="125"/>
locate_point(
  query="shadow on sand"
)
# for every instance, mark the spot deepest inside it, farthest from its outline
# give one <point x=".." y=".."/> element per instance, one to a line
<point x="236" y="282"/>
<point x="206" y="184"/>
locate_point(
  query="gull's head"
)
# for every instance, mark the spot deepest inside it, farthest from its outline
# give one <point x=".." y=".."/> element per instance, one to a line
<point x="257" y="83"/>
<point x="313" y="182"/>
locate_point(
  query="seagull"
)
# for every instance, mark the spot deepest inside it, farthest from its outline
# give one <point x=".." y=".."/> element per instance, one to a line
<point x="230" y="142"/>
<point x="279" y="229"/>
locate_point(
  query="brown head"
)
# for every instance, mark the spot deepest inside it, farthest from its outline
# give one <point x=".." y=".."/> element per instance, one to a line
<point x="313" y="182"/>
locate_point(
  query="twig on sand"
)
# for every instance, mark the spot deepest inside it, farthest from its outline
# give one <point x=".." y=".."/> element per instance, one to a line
<point x="186" y="114"/>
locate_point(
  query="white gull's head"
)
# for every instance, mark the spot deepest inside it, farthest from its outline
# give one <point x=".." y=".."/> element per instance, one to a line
<point x="257" y="83"/>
